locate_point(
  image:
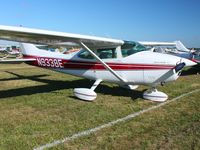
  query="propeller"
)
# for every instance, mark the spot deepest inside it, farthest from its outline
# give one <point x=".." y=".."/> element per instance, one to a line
<point x="179" y="66"/>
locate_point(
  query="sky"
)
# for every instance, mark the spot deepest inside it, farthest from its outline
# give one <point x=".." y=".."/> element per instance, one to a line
<point x="137" y="20"/>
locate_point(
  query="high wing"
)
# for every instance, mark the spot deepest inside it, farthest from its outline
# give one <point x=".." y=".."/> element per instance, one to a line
<point x="37" y="36"/>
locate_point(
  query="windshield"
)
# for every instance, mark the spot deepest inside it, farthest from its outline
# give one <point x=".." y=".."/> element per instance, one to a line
<point x="130" y="47"/>
<point x="197" y="55"/>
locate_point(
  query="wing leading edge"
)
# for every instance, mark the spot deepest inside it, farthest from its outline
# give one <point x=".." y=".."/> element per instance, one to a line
<point x="38" y="36"/>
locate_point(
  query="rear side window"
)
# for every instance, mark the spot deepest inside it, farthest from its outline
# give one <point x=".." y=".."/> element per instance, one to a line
<point x="107" y="53"/>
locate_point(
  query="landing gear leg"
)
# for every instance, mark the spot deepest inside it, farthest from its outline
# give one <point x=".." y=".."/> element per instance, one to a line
<point x="154" y="95"/>
<point x="129" y="87"/>
<point x="96" y="83"/>
<point x="87" y="94"/>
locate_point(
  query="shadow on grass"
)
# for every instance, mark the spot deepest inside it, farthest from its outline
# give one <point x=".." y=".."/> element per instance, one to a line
<point x="191" y="71"/>
<point x="118" y="91"/>
<point x="53" y="85"/>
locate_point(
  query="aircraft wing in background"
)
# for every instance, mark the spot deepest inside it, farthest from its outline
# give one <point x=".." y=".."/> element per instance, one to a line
<point x="146" y="43"/>
<point x="178" y="44"/>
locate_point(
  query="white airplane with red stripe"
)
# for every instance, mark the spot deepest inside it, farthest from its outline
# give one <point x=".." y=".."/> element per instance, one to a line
<point x="126" y="63"/>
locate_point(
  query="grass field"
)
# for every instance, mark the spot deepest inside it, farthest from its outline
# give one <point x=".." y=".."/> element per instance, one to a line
<point x="37" y="106"/>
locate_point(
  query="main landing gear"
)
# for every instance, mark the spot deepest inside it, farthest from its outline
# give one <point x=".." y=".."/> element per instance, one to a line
<point x="87" y="94"/>
<point x="154" y="95"/>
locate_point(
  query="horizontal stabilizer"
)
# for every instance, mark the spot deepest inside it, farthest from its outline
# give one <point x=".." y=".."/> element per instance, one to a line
<point x="15" y="61"/>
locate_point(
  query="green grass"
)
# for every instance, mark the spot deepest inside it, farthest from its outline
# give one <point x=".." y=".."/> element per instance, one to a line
<point x="175" y="126"/>
<point x="37" y="106"/>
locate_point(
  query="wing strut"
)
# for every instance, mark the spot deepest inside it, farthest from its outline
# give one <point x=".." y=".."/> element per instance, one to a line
<point x="103" y="63"/>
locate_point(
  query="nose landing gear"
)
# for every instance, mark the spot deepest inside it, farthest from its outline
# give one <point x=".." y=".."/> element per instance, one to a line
<point x="154" y="95"/>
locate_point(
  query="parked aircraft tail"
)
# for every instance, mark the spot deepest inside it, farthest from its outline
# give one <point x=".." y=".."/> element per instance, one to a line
<point x="181" y="47"/>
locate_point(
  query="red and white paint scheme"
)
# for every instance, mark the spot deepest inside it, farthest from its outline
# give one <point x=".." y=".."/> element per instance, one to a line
<point x="126" y="63"/>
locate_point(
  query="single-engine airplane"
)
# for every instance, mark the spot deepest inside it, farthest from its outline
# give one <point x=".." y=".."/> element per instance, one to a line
<point x="8" y="51"/>
<point x="2" y="49"/>
<point x="126" y="63"/>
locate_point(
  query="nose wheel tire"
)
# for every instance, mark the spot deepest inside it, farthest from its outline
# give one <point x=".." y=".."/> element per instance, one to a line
<point x="155" y="95"/>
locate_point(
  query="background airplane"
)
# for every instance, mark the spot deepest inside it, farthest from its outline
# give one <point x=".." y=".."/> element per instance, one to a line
<point x="2" y="49"/>
<point x="174" y="48"/>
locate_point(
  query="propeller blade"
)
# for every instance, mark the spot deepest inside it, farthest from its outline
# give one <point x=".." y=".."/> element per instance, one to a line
<point x="179" y="67"/>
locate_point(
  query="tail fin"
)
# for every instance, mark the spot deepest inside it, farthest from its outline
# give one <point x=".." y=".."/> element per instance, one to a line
<point x="32" y="50"/>
<point x="29" y="49"/>
<point x="181" y="47"/>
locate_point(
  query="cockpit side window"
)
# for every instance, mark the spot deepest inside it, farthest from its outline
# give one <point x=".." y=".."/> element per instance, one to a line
<point x="107" y="53"/>
<point x="129" y="48"/>
<point x="102" y="53"/>
<point x="85" y="55"/>
<point x="196" y="55"/>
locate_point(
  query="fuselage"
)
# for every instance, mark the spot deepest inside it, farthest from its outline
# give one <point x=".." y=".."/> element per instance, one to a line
<point x="143" y="67"/>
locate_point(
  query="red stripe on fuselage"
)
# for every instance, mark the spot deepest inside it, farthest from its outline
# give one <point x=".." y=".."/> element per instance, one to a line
<point x="195" y="60"/>
<point x="87" y="65"/>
